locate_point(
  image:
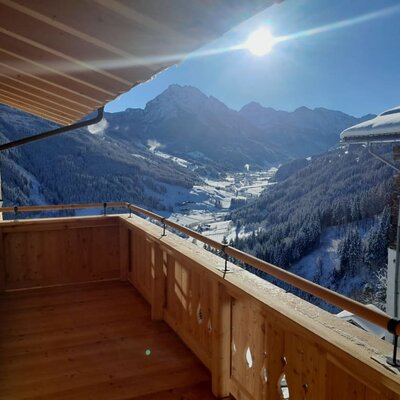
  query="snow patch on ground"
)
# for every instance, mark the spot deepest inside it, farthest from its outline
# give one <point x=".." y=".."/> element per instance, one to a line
<point x="138" y="156"/>
<point x="326" y="255"/>
<point x="177" y="160"/>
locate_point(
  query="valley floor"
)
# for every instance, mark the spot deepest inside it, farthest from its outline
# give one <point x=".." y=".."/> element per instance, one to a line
<point x="208" y="205"/>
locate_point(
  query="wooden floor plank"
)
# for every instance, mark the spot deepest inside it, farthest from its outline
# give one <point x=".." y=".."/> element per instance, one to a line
<point x="91" y="341"/>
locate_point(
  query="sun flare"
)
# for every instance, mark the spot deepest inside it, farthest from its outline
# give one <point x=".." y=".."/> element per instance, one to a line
<point x="260" y="42"/>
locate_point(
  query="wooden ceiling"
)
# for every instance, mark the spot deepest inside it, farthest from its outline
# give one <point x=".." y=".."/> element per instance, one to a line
<point x="62" y="59"/>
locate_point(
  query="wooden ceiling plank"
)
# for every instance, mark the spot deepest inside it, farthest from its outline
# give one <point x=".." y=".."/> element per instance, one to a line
<point x="65" y="56"/>
<point x="195" y="22"/>
<point x="45" y="99"/>
<point x="25" y="8"/>
<point x="135" y="32"/>
<point x="25" y="47"/>
<point x="102" y="27"/>
<point x="28" y="99"/>
<point x="17" y="73"/>
<point x="62" y="44"/>
<point x="16" y="102"/>
<point x="38" y="113"/>
<point x="127" y="11"/>
<point x="25" y="86"/>
<point x="53" y="75"/>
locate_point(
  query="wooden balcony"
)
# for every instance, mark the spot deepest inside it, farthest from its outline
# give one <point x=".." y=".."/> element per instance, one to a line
<point x="108" y="308"/>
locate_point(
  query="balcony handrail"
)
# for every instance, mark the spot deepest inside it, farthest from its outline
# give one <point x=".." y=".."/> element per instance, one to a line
<point x="61" y="207"/>
<point x="379" y="318"/>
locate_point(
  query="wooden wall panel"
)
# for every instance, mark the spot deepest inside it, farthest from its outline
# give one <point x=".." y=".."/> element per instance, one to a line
<point x="36" y="257"/>
<point x="248" y="349"/>
<point x="188" y="306"/>
<point x="276" y="360"/>
<point x="124" y="251"/>
<point x="305" y="368"/>
<point x="140" y="271"/>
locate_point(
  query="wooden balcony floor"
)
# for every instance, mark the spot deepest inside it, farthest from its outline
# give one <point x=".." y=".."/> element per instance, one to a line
<point x="92" y="341"/>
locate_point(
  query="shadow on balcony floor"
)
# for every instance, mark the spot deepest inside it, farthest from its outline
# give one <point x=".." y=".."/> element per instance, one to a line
<point x="92" y="341"/>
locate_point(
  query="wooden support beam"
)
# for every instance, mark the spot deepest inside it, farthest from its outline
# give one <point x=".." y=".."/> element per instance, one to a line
<point x="158" y="259"/>
<point x="221" y="341"/>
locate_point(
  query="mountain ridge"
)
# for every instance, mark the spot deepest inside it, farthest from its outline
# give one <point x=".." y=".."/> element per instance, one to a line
<point x="183" y="117"/>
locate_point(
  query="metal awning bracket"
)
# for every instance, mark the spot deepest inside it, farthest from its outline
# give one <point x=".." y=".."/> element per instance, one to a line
<point x="384" y="160"/>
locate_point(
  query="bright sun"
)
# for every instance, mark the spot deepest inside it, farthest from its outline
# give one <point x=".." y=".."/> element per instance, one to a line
<point x="260" y="42"/>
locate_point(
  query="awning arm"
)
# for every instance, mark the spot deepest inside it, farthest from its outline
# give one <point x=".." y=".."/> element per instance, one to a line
<point x="384" y="160"/>
<point x="53" y="132"/>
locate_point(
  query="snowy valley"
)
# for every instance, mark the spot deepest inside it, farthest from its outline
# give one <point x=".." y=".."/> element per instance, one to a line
<point x="207" y="206"/>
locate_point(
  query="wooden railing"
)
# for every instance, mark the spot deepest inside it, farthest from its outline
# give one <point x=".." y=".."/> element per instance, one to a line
<point x="378" y="318"/>
<point x="258" y="341"/>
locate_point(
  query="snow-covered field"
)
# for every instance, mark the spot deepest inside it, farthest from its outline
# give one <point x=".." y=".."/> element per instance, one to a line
<point x="206" y="206"/>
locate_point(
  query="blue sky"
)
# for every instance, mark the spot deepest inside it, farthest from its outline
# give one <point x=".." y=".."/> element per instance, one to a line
<point x="355" y="69"/>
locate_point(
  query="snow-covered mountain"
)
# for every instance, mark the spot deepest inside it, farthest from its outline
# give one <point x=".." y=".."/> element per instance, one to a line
<point x="302" y="132"/>
<point x="185" y="122"/>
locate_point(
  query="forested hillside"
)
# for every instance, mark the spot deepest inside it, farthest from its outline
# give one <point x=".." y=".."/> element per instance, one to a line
<point x="81" y="167"/>
<point x="348" y="191"/>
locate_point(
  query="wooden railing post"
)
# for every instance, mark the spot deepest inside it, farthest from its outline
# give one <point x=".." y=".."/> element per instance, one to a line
<point x="158" y="282"/>
<point x="221" y="341"/>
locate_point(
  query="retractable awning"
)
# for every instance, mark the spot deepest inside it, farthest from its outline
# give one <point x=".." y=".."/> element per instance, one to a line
<point x="383" y="128"/>
<point x="62" y="60"/>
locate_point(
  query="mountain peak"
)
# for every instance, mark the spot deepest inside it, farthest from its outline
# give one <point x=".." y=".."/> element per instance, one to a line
<point x="187" y="98"/>
<point x="177" y="95"/>
<point x="178" y="90"/>
<point x="366" y="117"/>
<point x="302" y="109"/>
<point x="254" y="106"/>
